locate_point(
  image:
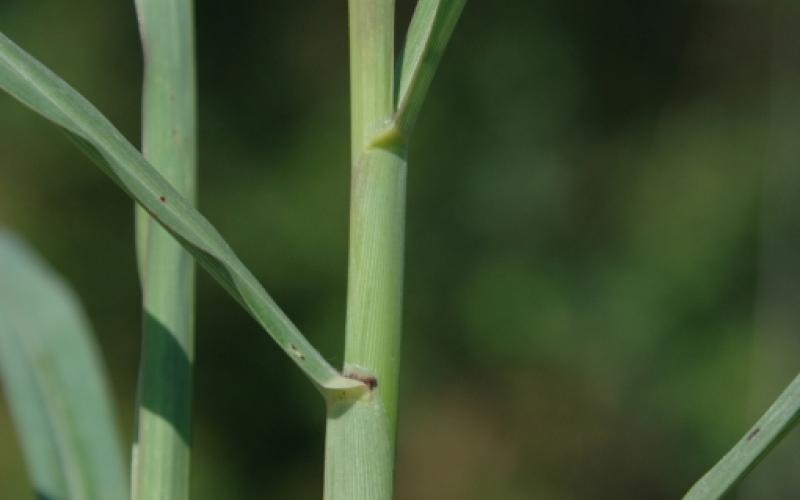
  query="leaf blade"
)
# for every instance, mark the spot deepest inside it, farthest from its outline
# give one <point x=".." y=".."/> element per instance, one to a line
<point x="56" y="383"/>
<point x="34" y="85"/>
<point x="430" y="30"/>
<point x="778" y="420"/>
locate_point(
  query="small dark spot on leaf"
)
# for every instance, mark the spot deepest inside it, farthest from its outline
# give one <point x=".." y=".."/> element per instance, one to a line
<point x="163" y="199"/>
<point x="297" y="352"/>
<point x="753" y="433"/>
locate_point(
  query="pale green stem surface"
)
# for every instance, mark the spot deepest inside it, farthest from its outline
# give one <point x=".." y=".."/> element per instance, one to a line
<point x="361" y="435"/>
<point x="359" y="458"/>
<point x="377" y="223"/>
<point x="377" y="205"/>
<point x="161" y="455"/>
<point x="371" y="27"/>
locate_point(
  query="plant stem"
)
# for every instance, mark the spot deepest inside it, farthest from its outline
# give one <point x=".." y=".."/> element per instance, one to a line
<point x="371" y="26"/>
<point x="162" y="447"/>
<point x="377" y="211"/>
<point x="361" y="434"/>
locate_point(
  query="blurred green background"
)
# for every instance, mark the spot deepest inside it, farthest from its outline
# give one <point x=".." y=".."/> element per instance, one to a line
<point x="603" y="274"/>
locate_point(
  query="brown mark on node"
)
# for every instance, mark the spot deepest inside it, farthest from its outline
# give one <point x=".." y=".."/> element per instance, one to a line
<point x="368" y="380"/>
<point x="163" y="199"/>
<point x="753" y="433"/>
<point x="297" y="352"/>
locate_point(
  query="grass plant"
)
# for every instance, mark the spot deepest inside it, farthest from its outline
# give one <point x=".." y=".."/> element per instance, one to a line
<point x="54" y="377"/>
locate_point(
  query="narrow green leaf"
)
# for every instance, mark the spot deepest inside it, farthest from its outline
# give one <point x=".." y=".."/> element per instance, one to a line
<point x="779" y="419"/>
<point x="161" y="454"/>
<point x="55" y="383"/>
<point x="428" y="34"/>
<point x="37" y="87"/>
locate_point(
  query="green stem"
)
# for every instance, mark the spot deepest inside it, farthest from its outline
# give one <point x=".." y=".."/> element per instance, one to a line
<point x="371" y="26"/>
<point x="360" y="440"/>
<point x="162" y="447"/>
<point x="377" y="222"/>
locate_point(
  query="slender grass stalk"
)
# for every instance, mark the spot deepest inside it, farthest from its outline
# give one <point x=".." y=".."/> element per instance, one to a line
<point x="161" y="453"/>
<point x="360" y="439"/>
<point x="360" y="436"/>
<point x="377" y="212"/>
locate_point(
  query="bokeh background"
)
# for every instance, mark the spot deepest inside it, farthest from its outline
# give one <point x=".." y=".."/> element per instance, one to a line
<point x="603" y="274"/>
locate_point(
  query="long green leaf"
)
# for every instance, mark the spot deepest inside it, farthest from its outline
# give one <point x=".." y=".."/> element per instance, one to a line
<point x="37" y="87"/>
<point x="55" y="383"/>
<point x="428" y="34"/>
<point x="752" y="447"/>
<point x="161" y="455"/>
